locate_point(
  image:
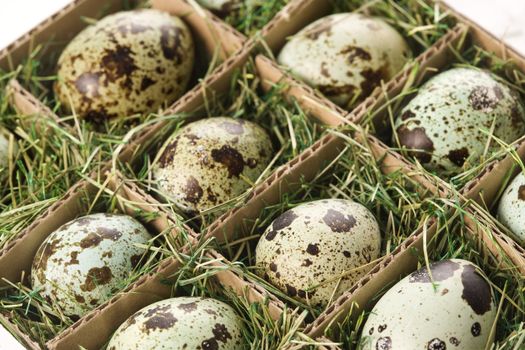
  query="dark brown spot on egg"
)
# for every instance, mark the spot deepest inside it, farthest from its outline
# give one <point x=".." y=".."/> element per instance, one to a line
<point x="371" y="331"/>
<point x="355" y="52"/>
<point x="458" y="156"/>
<point x="80" y="299"/>
<point x="338" y="222"/>
<point x="44" y="253"/>
<point x="146" y="83"/>
<point x="230" y="158"/>
<point x="188" y="307"/>
<point x="441" y="271"/>
<point x="210" y="344"/>
<point x="475" y="329"/>
<point x="372" y="79"/>
<point x="251" y="162"/>
<point x="521" y="193"/>
<point x="73" y="259"/>
<point x="516" y="115"/>
<point x="436" y="344"/>
<point x="88" y="83"/>
<point x="307" y="262"/>
<point x="384" y="343"/>
<point x="407" y="115"/>
<point x="347" y="254"/>
<point x="381" y="328"/>
<point x="454" y="341"/>
<point x="119" y="63"/>
<point x="96" y="276"/>
<point x="417" y="141"/>
<point x="135" y="260"/>
<point x="284" y="220"/>
<point x="93" y="239"/>
<point x="169" y="152"/>
<point x="170" y="43"/>
<point x="220" y="332"/>
<point x="161" y="320"/>
<point x="291" y="290"/>
<point x="193" y="190"/>
<point x="336" y="90"/>
<point x="313" y="249"/>
<point x="480" y="98"/>
<point x="476" y="291"/>
<point x="232" y="127"/>
<point x="273" y="267"/>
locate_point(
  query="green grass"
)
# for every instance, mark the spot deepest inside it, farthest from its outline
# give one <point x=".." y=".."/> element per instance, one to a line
<point x="453" y="241"/>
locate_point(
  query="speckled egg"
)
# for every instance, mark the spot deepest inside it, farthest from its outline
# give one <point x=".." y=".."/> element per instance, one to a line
<point x="314" y="243"/>
<point x="181" y="323"/>
<point x="207" y="162"/>
<point x="80" y="265"/>
<point x="127" y="63"/>
<point x="346" y="55"/>
<point x="221" y="7"/>
<point x="447" y="122"/>
<point x="5" y="135"/>
<point x="511" y="208"/>
<point x="450" y="308"/>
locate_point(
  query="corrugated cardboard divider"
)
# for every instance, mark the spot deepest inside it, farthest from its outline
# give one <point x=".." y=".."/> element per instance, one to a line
<point x="154" y="286"/>
<point x="61" y="27"/>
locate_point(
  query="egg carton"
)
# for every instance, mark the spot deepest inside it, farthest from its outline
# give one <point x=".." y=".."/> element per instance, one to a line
<point x="306" y="164"/>
<point x="148" y="288"/>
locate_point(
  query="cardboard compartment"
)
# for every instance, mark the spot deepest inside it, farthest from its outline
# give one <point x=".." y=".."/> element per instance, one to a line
<point x="214" y="41"/>
<point x="151" y="286"/>
<point x="298" y="14"/>
<point x="432" y="241"/>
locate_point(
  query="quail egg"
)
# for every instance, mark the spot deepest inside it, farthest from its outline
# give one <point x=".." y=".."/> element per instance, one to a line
<point x="79" y="265"/>
<point x="181" y="323"/>
<point x="511" y="208"/>
<point x="314" y="244"/>
<point x="451" y="307"/>
<point x="208" y="161"/>
<point x="345" y="55"/>
<point x="127" y="63"/>
<point x="5" y="135"/>
<point x="221" y="7"/>
<point x="449" y="119"/>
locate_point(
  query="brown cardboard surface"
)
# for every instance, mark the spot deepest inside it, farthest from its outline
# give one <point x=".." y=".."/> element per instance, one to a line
<point x="62" y="26"/>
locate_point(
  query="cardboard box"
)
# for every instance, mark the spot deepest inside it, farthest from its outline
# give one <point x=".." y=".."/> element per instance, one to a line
<point x="286" y="178"/>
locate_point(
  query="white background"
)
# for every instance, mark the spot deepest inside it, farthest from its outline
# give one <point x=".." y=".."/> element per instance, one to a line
<point x="504" y="18"/>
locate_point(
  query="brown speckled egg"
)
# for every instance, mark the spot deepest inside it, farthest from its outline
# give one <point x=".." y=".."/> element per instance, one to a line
<point x="221" y="7"/>
<point x="447" y="122"/>
<point x="181" y="323"/>
<point x="5" y="135"/>
<point x="345" y="55"/>
<point x="511" y="208"/>
<point x="203" y="164"/>
<point x="450" y="308"/>
<point x="127" y="63"/>
<point x="80" y="265"/>
<point x="315" y="242"/>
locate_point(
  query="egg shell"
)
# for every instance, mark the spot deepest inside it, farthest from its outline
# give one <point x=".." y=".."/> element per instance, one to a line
<point x="80" y="265"/>
<point x="446" y="119"/>
<point x="203" y="163"/>
<point x="316" y="242"/>
<point x="127" y="63"/>
<point x="457" y="311"/>
<point x="511" y="208"/>
<point x="5" y="135"/>
<point x="181" y="323"/>
<point x="345" y="55"/>
<point x="222" y="7"/>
